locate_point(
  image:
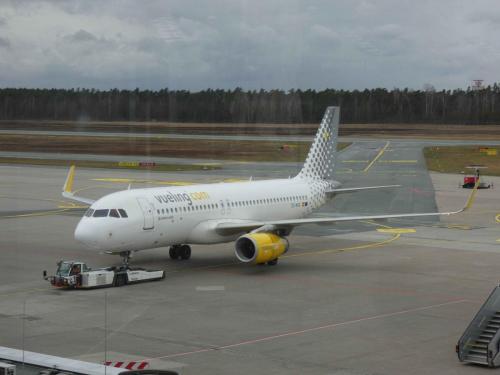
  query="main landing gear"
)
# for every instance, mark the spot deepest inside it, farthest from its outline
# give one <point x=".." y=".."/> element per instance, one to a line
<point x="180" y="252"/>
<point x="270" y="263"/>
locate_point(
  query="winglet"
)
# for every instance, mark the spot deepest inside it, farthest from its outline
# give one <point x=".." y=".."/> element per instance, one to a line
<point x="68" y="188"/>
<point x="68" y="185"/>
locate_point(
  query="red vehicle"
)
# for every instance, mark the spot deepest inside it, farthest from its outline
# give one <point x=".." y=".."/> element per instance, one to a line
<point x="471" y="180"/>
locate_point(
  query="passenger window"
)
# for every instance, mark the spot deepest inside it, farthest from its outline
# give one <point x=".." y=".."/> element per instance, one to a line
<point x="122" y="212"/>
<point x="101" y="213"/>
<point x="114" y="213"/>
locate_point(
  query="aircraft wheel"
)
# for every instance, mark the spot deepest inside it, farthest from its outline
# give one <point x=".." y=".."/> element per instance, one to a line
<point x="174" y="252"/>
<point x="185" y="252"/>
<point x="273" y="262"/>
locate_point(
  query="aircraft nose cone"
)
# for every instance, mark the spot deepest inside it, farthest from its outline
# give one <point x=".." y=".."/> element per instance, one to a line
<point x="85" y="235"/>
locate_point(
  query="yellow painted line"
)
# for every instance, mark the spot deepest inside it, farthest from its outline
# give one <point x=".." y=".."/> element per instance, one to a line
<point x="472" y="196"/>
<point x="396" y="230"/>
<point x="355" y="161"/>
<point x="139" y="181"/>
<point x="71" y="206"/>
<point x="458" y="226"/>
<point x="498" y="240"/>
<point x="208" y="164"/>
<point x="42" y="213"/>
<point x="380" y="153"/>
<point x="497" y="218"/>
<point x="370" y="245"/>
<point x="113" y="179"/>
<point x="341" y="250"/>
<point x="398" y="161"/>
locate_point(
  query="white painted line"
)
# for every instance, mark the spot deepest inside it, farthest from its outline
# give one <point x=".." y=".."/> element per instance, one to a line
<point x="211" y="288"/>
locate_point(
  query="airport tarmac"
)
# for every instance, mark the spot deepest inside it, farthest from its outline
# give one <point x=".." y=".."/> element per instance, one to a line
<point x="354" y="298"/>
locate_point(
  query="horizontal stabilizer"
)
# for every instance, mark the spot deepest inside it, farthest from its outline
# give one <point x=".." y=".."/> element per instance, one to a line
<point x="355" y="189"/>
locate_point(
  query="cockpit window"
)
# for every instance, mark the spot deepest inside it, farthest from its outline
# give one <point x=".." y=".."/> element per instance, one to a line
<point x="114" y="213"/>
<point x="89" y="212"/>
<point x="101" y="213"/>
<point x="122" y="212"/>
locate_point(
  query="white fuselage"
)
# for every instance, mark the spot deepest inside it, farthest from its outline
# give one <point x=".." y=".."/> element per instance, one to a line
<point x="165" y="216"/>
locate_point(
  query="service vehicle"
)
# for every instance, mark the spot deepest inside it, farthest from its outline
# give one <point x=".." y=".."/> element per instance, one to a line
<point x="77" y="275"/>
<point x="470" y="180"/>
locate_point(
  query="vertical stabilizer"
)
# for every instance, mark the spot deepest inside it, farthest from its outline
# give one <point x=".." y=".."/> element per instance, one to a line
<point x="321" y="157"/>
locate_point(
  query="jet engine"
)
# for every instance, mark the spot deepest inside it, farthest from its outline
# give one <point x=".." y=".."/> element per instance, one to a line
<point x="260" y="248"/>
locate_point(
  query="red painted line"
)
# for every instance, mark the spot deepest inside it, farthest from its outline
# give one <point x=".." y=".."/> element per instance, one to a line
<point x="118" y="364"/>
<point x="313" y="329"/>
<point x="130" y="365"/>
<point x="107" y="363"/>
<point x="142" y="366"/>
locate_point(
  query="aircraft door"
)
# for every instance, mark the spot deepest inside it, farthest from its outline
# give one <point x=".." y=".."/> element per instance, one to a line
<point x="228" y="206"/>
<point x="148" y="213"/>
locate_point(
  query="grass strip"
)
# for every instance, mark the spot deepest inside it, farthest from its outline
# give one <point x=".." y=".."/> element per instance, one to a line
<point x="455" y="159"/>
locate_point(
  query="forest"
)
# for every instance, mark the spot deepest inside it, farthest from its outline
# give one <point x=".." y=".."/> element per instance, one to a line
<point x="379" y="105"/>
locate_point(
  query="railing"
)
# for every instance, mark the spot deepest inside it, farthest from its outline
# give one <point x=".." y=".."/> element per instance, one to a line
<point x="477" y="325"/>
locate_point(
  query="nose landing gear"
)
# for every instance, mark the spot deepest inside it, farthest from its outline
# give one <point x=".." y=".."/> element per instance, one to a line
<point x="177" y="252"/>
<point x="126" y="255"/>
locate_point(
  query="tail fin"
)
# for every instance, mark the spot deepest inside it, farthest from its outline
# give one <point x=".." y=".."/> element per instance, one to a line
<point x="321" y="157"/>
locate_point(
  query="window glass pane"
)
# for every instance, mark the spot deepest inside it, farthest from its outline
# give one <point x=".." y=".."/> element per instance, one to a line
<point x="101" y="213"/>
<point x="122" y="212"/>
<point x="114" y="213"/>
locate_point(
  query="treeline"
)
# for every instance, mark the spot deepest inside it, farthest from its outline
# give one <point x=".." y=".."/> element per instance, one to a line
<point x="273" y="106"/>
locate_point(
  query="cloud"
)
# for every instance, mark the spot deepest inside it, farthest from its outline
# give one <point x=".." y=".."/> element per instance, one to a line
<point x="82" y="36"/>
<point x="4" y="43"/>
<point x="270" y="44"/>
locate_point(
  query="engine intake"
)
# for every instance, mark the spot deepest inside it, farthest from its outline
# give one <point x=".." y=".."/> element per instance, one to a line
<point x="260" y="247"/>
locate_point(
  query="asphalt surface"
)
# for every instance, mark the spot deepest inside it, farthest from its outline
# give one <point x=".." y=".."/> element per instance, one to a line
<point x="347" y="299"/>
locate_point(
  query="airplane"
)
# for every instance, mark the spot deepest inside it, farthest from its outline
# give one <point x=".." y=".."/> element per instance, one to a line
<point x="257" y="215"/>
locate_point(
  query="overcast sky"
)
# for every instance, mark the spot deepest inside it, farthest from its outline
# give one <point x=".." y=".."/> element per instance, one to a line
<point x="253" y="44"/>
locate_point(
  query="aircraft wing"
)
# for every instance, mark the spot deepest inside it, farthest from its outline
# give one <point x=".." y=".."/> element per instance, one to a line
<point x="68" y="187"/>
<point x="261" y="226"/>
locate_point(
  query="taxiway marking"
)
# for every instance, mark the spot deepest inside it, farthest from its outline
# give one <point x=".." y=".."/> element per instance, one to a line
<point x="312" y="329"/>
<point x="497" y="218"/>
<point x="41" y="213"/>
<point x="396" y="230"/>
<point x="398" y="161"/>
<point x="355" y="161"/>
<point x="380" y="153"/>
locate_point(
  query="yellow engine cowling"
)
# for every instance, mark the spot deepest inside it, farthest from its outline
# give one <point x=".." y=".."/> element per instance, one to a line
<point x="260" y="248"/>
